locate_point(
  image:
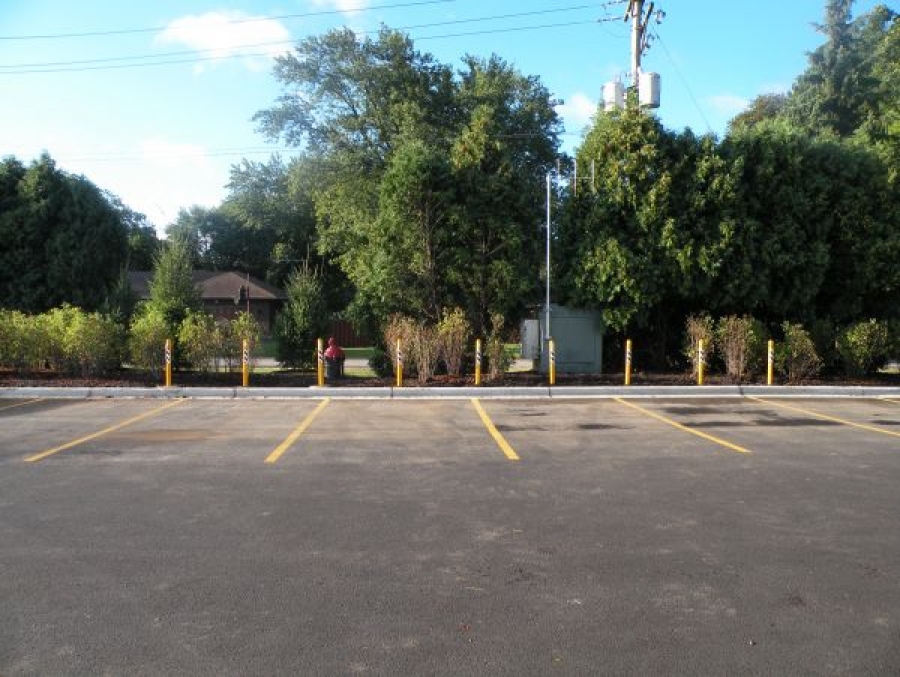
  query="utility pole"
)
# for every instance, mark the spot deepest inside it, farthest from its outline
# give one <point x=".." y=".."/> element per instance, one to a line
<point x="635" y="13"/>
<point x="640" y="36"/>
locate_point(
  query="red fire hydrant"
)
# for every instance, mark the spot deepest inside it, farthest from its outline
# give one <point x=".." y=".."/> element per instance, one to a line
<point x="334" y="360"/>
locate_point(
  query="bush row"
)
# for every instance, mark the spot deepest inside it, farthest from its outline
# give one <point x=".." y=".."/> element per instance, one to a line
<point x="428" y="348"/>
<point x="70" y="340"/>
<point x="739" y="345"/>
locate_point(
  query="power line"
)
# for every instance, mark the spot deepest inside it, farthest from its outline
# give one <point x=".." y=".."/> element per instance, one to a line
<point x="153" y="29"/>
<point x="116" y="66"/>
<point x="687" y="87"/>
<point x="225" y="151"/>
<point x="48" y="65"/>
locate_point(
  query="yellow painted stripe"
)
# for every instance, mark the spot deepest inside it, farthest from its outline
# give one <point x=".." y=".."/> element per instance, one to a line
<point x="492" y="429"/>
<point x="100" y="433"/>
<point x="20" y="404"/>
<point x="294" y="436"/>
<point x="692" y="431"/>
<point x="826" y="417"/>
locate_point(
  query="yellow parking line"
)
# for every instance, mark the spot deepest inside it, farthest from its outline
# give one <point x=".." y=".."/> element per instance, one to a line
<point x="492" y="429"/>
<point x="299" y="430"/>
<point x="676" y="424"/>
<point x="20" y="404"/>
<point x="99" y="433"/>
<point x="826" y="417"/>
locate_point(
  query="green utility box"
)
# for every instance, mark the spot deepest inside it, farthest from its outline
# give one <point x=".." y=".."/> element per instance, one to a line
<point x="577" y="335"/>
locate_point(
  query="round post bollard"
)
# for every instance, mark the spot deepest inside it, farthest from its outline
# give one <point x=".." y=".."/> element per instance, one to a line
<point x="168" y="363"/>
<point x="320" y="363"/>
<point x="770" y="363"/>
<point x="399" y="365"/>
<point x="245" y="364"/>
<point x="478" y="358"/>
<point x="334" y="361"/>
<point x="628" y="362"/>
<point x="552" y="361"/>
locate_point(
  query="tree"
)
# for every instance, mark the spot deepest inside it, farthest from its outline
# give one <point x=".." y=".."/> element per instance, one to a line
<point x="508" y="141"/>
<point x="303" y="319"/>
<point x="173" y="293"/>
<point x="840" y="89"/>
<point x="274" y="215"/>
<point x="143" y="243"/>
<point x="380" y="121"/>
<point x="763" y="107"/>
<point x="357" y="97"/>
<point x="63" y="241"/>
<point x="646" y="240"/>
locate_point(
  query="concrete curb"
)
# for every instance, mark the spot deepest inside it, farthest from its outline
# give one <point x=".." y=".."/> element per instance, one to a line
<point x="487" y="392"/>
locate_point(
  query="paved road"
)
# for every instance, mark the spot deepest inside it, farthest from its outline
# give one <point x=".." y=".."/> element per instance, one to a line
<point x="692" y="537"/>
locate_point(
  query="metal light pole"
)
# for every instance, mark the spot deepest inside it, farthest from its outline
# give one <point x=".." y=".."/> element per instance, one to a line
<point x="547" y="306"/>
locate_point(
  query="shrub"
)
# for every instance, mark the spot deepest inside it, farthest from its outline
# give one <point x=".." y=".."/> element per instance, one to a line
<point x="741" y="341"/>
<point x="424" y="349"/>
<point x="19" y="342"/>
<point x="147" y="339"/>
<point x="824" y="337"/>
<point x="454" y="332"/>
<point x="697" y="328"/>
<point x="244" y="326"/>
<point x="93" y="343"/>
<point x="200" y="340"/>
<point x="399" y="328"/>
<point x="53" y="325"/>
<point x="863" y="347"/>
<point x="380" y="363"/>
<point x="495" y="349"/>
<point x="796" y="356"/>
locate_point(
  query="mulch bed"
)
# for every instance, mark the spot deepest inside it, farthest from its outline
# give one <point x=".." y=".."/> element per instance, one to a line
<point x="297" y="379"/>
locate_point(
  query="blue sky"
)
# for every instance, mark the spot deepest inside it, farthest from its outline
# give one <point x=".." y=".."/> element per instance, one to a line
<point x="164" y="136"/>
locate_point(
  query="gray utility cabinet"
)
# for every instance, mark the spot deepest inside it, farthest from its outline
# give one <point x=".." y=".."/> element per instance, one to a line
<point x="577" y="335"/>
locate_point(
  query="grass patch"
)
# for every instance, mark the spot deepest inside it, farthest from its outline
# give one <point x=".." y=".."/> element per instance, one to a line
<point x="359" y="353"/>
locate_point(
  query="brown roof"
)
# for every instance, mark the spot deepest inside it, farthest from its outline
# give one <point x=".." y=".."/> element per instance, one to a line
<point x="213" y="285"/>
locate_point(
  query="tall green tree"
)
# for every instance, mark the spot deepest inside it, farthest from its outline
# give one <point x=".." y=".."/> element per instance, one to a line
<point x="173" y="293"/>
<point x="414" y="232"/>
<point x="648" y="230"/>
<point x="63" y="241"/>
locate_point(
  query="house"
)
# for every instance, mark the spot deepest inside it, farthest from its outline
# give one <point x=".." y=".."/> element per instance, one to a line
<point x="224" y="295"/>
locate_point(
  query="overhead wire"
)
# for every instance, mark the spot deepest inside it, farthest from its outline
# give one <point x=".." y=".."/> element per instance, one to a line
<point x="48" y="65"/>
<point x="155" y="29"/>
<point x="684" y="82"/>
<point x="114" y="63"/>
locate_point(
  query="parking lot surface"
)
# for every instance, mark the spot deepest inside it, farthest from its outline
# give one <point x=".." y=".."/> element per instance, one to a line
<point x="617" y="536"/>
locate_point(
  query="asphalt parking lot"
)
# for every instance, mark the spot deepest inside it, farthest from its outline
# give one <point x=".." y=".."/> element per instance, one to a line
<point x="389" y="537"/>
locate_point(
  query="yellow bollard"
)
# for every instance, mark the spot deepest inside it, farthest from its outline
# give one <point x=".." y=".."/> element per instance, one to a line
<point x="770" y="363"/>
<point x="478" y="358"/>
<point x="552" y="347"/>
<point x="399" y="365"/>
<point x="701" y="362"/>
<point x="320" y="362"/>
<point x="168" y="363"/>
<point x="628" y="362"/>
<point x="245" y="363"/>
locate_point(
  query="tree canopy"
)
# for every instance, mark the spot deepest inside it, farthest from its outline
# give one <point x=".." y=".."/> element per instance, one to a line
<point x="427" y="188"/>
<point x="63" y="240"/>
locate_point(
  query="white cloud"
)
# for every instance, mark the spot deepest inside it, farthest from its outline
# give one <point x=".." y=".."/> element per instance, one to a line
<point x="226" y="34"/>
<point x="727" y="104"/>
<point x="577" y="112"/>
